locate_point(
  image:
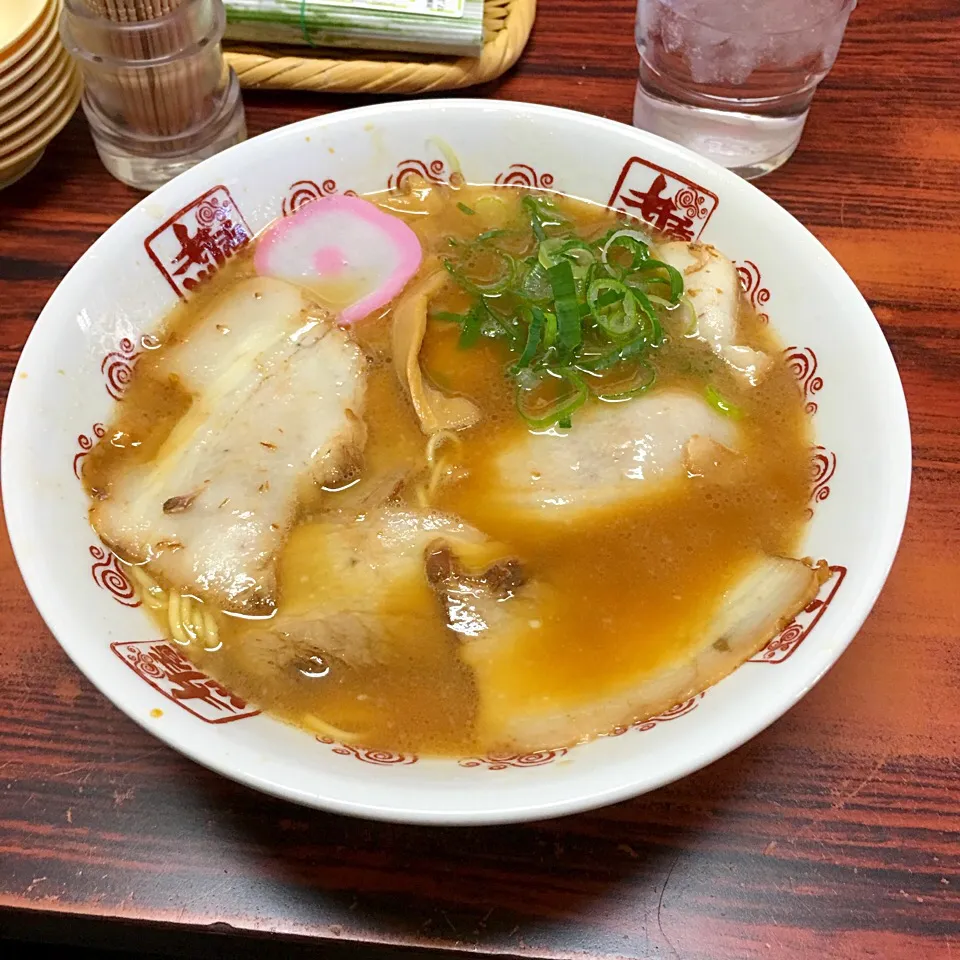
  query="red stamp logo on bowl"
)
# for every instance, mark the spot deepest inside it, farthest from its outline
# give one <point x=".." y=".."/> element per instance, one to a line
<point x="197" y="240"/>
<point x="673" y="204"/>
<point x="167" y="670"/>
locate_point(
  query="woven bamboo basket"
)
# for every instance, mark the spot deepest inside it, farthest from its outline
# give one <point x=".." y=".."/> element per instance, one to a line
<point x="506" y="25"/>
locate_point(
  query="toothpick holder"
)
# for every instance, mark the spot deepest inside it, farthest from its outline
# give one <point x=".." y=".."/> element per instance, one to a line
<point x="158" y="94"/>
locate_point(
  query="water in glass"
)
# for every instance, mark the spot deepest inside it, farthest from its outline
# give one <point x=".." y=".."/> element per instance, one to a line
<point x="733" y="79"/>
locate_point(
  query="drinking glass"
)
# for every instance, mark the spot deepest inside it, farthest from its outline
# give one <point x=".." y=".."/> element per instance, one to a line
<point x="733" y="79"/>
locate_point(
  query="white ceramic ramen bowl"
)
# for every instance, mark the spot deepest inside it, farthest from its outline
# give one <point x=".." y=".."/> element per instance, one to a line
<point x="83" y="348"/>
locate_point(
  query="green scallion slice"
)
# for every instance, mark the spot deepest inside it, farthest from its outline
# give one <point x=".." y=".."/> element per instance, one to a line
<point x="537" y="322"/>
<point x="549" y="329"/>
<point x="470" y="274"/>
<point x="724" y="406"/>
<point x="536" y="223"/>
<point x="470" y="332"/>
<point x="613" y="306"/>
<point x="567" y="308"/>
<point x="654" y="327"/>
<point x="536" y="284"/>
<point x="543" y="213"/>
<point x="630" y="241"/>
<point x="546" y="395"/>
<point x="629" y="351"/>
<point x="673" y="279"/>
<point x="622" y="380"/>
<point x="692" y="325"/>
<point x="548" y="253"/>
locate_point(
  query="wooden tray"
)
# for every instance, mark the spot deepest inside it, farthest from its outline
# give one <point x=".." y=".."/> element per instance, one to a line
<point x="506" y="24"/>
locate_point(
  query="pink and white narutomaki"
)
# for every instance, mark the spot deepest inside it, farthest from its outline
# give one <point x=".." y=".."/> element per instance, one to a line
<point x="342" y="244"/>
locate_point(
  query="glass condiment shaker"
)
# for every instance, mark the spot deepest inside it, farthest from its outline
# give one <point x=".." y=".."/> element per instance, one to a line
<point x="158" y="95"/>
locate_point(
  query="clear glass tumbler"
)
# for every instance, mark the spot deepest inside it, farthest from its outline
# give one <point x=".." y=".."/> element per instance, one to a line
<point x="733" y="79"/>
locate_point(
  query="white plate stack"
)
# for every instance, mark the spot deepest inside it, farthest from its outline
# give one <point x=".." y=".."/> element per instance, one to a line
<point x="39" y="84"/>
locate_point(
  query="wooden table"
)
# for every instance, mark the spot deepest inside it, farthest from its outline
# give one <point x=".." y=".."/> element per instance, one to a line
<point x="835" y="834"/>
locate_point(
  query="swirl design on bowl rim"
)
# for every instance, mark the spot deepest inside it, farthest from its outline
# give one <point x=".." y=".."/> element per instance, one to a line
<point x="108" y="575"/>
<point x="523" y="175"/>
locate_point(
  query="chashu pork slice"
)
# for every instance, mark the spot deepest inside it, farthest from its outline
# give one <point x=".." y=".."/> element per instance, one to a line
<point x="616" y="452"/>
<point x="767" y="593"/>
<point x="276" y="401"/>
<point x="711" y="282"/>
<point x="361" y="591"/>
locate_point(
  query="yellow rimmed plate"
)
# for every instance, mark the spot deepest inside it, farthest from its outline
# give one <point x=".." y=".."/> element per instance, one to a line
<point x="11" y="108"/>
<point x="21" y="123"/>
<point x="20" y="21"/>
<point x="11" y="173"/>
<point x="38" y="61"/>
<point x="39" y="136"/>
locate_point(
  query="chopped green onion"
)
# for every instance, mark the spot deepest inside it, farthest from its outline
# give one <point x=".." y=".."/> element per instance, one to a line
<point x="660" y="301"/>
<point x="692" y="326"/>
<point x="674" y="278"/>
<point x="550" y="330"/>
<point x="564" y="290"/>
<point x="579" y="315"/>
<point x="555" y="249"/>
<point x="470" y="333"/>
<point x="724" y="406"/>
<point x="565" y="423"/>
<point x="493" y="326"/>
<point x="537" y="323"/>
<point x="575" y="244"/>
<point x="604" y="300"/>
<point x="493" y="209"/>
<point x="536" y="224"/>
<point x="543" y="213"/>
<point x="630" y="240"/>
<point x="631" y="349"/>
<point x="581" y="256"/>
<point x="548" y="253"/>
<point x="618" y="316"/>
<point x="536" y="284"/>
<point x="546" y="396"/>
<point x="513" y="329"/>
<point x="653" y="321"/>
<point x="480" y="284"/>
<point x="623" y="380"/>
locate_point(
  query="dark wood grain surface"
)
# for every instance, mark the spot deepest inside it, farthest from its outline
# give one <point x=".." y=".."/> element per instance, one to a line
<point x="835" y="834"/>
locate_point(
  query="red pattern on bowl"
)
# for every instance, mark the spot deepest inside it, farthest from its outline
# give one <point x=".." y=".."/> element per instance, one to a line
<point x="798" y="629"/>
<point x="433" y="171"/>
<point x="108" y="575"/>
<point x="523" y="175"/>
<point x="168" y="671"/>
<point x="758" y="295"/>
<point x="198" y="239"/>
<point x="86" y="445"/>
<point x="380" y="758"/>
<point x="673" y="204"/>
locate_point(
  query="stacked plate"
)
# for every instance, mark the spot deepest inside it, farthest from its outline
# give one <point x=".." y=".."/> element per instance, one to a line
<point x="39" y="84"/>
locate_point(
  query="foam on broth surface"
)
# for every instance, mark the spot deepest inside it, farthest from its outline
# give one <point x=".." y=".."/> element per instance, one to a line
<point x="631" y="589"/>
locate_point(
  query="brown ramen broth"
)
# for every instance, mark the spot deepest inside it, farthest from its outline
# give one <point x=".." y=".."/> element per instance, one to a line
<point x="623" y="591"/>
